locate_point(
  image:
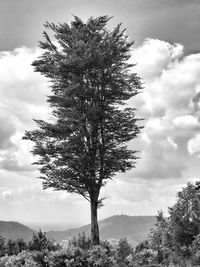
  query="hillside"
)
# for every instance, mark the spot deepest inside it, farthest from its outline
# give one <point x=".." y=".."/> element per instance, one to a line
<point x="14" y="230"/>
<point x="134" y="228"/>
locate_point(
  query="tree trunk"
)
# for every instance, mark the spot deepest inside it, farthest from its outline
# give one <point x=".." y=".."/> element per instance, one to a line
<point x="94" y="222"/>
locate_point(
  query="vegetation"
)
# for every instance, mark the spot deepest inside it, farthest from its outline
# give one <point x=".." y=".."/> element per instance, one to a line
<point x="174" y="242"/>
<point x="82" y="147"/>
<point x="80" y="252"/>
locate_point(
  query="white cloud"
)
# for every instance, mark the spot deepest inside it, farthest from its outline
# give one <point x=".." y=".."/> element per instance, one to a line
<point x="170" y="105"/>
<point x="186" y="122"/>
<point x="172" y="143"/>
<point x="155" y="56"/>
<point x="194" y="144"/>
<point x="23" y="97"/>
<point x="7" y="195"/>
<point x="175" y="82"/>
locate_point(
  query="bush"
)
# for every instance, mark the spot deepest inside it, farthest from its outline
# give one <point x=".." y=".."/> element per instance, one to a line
<point x="81" y="253"/>
<point x="123" y="253"/>
<point x="145" y="256"/>
<point x="82" y="241"/>
<point x="24" y="259"/>
<point x="72" y="257"/>
<point x="40" y="242"/>
<point x="98" y="257"/>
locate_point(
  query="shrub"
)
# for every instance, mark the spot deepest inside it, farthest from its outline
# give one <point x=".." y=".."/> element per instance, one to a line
<point x="82" y="241"/>
<point x="98" y="257"/>
<point x="41" y="242"/>
<point x="123" y="252"/>
<point x="24" y="259"/>
<point x="145" y="256"/>
<point x="72" y="257"/>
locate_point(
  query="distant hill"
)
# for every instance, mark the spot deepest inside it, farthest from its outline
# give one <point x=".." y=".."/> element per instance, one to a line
<point x="14" y="230"/>
<point x="134" y="228"/>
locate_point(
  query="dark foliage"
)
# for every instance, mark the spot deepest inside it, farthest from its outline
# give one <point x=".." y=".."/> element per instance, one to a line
<point x="82" y="241"/>
<point x="123" y="250"/>
<point x="41" y="242"/>
<point x="86" y="142"/>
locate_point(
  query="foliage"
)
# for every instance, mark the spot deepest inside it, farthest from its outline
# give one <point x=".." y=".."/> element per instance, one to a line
<point x="195" y="250"/>
<point x="40" y="242"/>
<point x="11" y="247"/>
<point x="22" y="259"/>
<point x="176" y="239"/>
<point x="86" y="142"/>
<point x="158" y="237"/>
<point x="123" y="250"/>
<point x="104" y="255"/>
<point x="2" y="246"/>
<point x="185" y="215"/>
<point x="164" y="246"/>
<point x="98" y="257"/>
<point x="145" y="256"/>
<point x="75" y="256"/>
<point x="82" y="241"/>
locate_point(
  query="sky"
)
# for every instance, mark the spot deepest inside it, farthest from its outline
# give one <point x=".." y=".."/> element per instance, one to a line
<point x="167" y="57"/>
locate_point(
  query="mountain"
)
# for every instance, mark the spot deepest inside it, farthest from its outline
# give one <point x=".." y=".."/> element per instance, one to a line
<point x="14" y="230"/>
<point x="134" y="228"/>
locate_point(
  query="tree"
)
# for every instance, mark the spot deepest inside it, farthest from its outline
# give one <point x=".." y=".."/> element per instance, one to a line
<point x="185" y="215"/>
<point x="123" y="250"/>
<point x="11" y="247"/>
<point x="86" y="142"/>
<point x="158" y="235"/>
<point x="41" y="242"/>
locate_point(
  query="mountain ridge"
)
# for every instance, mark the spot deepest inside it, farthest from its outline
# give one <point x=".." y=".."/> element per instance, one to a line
<point x="14" y="230"/>
<point x="134" y="228"/>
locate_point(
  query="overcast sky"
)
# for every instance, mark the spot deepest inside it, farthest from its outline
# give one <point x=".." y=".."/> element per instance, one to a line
<point x="167" y="53"/>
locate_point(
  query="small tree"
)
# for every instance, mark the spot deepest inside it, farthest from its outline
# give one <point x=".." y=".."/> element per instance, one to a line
<point x="123" y="250"/>
<point x="41" y="242"/>
<point x="82" y="241"/>
<point x="158" y="234"/>
<point x="85" y="144"/>
<point x="185" y="215"/>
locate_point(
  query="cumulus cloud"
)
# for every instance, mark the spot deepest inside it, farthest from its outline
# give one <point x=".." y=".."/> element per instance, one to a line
<point x="23" y="94"/>
<point x="7" y="195"/>
<point x="7" y="129"/>
<point x="186" y="122"/>
<point x="161" y="160"/>
<point x="170" y="105"/>
<point x="194" y="144"/>
<point x="155" y="56"/>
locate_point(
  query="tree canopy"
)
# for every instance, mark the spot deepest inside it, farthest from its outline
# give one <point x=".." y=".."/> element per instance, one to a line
<point x="86" y="142"/>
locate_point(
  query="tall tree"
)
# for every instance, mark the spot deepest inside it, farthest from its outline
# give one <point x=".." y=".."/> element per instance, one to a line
<point x="185" y="215"/>
<point x="86" y="142"/>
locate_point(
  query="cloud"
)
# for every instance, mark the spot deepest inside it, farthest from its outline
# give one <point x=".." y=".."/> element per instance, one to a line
<point x="174" y="84"/>
<point x="7" y="129"/>
<point x="186" y="122"/>
<point x="170" y="105"/>
<point x="194" y="145"/>
<point x="23" y="97"/>
<point x="156" y="56"/>
<point x="18" y="80"/>
<point x="7" y="195"/>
